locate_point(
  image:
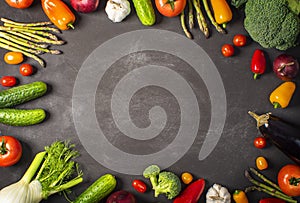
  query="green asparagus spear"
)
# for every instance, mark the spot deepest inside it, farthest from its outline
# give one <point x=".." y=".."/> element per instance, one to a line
<point x="182" y="20"/>
<point x="5" y="20"/>
<point x="40" y="28"/>
<point x="191" y="14"/>
<point x="10" y="43"/>
<point x="200" y="18"/>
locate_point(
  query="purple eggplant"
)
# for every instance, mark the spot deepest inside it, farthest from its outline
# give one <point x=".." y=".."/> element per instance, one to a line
<point x="283" y="135"/>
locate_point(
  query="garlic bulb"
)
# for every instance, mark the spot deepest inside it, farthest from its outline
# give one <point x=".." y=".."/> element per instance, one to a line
<point x="218" y="194"/>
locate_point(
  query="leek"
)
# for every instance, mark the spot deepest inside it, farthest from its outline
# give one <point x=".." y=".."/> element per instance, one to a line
<point x="51" y="171"/>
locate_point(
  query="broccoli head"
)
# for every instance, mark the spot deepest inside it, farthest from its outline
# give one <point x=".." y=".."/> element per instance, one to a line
<point x="152" y="172"/>
<point x="168" y="184"/>
<point x="272" y="23"/>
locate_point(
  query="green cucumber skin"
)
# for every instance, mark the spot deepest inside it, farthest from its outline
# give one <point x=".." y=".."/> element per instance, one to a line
<point x="22" y="117"/>
<point x="101" y="188"/>
<point x="21" y="94"/>
<point x="145" y="11"/>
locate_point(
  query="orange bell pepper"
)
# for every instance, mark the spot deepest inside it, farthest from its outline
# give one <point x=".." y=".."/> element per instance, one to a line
<point x="59" y="14"/>
<point x="282" y="95"/>
<point x="239" y="196"/>
<point x="222" y="11"/>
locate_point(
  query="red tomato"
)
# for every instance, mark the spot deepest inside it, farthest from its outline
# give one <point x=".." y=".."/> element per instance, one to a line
<point x="8" y="81"/>
<point x="19" y="3"/>
<point x="289" y="179"/>
<point x="239" y="40"/>
<point x="170" y="8"/>
<point x="26" y="69"/>
<point x="260" y="142"/>
<point x="10" y="151"/>
<point x="227" y="50"/>
<point x="139" y="186"/>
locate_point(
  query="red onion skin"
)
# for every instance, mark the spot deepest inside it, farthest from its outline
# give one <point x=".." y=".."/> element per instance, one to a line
<point x="121" y="196"/>
<point x="286" y="67"/>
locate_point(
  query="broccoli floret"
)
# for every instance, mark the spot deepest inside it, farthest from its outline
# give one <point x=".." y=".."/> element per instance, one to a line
<point x="271" y="23"/>
<point x="168" y="184"/>
<point x="152" y="172"/>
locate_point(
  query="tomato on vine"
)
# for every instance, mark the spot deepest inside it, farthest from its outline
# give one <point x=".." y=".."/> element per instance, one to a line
<point x="10" y="150"/>
<point x="289" y="179"/>
<point x="170" y="8"/>
<point x="21" y="4"/>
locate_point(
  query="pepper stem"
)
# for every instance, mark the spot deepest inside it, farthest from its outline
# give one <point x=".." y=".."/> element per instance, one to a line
<point x="70" y="25"/>
<point x="261" y="120"/>
<point x="255" y="76"/>
<point x="276" y="105"/>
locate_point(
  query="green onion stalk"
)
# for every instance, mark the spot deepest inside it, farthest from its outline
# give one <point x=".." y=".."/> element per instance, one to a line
<point x="51" y="171"/>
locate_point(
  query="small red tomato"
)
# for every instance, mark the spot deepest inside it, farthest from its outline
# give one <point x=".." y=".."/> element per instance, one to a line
<point x="260" y="142"/>
<point x="227" y="50"/>
<point x="239" y="40"/>
<point x="26" y="69"/>
<point x="8" y="81"/>
<point x="10" y="151"/>
<point x="139" y="186"/>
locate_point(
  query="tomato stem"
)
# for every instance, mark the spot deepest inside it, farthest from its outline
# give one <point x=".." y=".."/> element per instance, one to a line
<point x="294" y="181"/>
<point x="3" y="149"/>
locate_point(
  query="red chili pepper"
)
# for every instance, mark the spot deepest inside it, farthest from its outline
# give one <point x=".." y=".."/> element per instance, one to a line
<point x="192" y="193"/>
<point x="271" y="200"/>
<point x="258" y="63"/>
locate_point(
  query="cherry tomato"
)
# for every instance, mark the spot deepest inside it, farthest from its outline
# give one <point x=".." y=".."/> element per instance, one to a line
<point x="289" y="179"/>
<point x="10" y="151"/>
<point x="26" y="69"/>
<point x="261" y="163"/>
<point x="19" y="3"/>
<point x="170" y="8"/>
<point x="186" y="178"/>
<point x="139" y="186"/>
<point x="227" y="50"/>
<point x="260" y="142"/>
<point x="12" y="57"/>
<point x="239" y="40"/>
<point x="8" y="81"/>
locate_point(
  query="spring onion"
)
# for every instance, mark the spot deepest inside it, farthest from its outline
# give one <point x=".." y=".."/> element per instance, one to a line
<point x="51" y="171"/>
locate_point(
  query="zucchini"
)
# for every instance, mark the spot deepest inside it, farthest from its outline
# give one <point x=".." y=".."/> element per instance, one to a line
<point x="101" y="188"/>
<point x="144" y="11"/>
<point x="21" y="94"/>
<point x="21" y="117"/>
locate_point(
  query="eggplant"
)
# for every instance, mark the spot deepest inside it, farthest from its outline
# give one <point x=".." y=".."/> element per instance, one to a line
<point x="283" y="135"/>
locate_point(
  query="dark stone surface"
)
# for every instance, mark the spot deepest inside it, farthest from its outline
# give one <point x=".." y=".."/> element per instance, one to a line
<point x="234" y="151"/>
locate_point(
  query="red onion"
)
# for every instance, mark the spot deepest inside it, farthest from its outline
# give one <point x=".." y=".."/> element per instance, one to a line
<point x="121" y="196"/>
<point x="286" y="67"/>
<point x="84" y="6"/>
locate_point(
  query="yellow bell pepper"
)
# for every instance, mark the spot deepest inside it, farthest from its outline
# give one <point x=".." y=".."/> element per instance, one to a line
<point x="282" y="95"/>
<point x="222" y="11"/>
<point x="239" y="196"/>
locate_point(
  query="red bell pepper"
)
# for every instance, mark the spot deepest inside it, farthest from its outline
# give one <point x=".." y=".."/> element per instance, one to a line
<point x="271" y="200"/>
<point x="192" y="193"/>
<point x="258" y="63"/>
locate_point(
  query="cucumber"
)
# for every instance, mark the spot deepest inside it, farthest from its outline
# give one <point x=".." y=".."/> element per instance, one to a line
<point x="101" y="188"/>
<point x="144" y="11"/>
<point x="22" y="117"/>
<point x="21" y="94"/>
